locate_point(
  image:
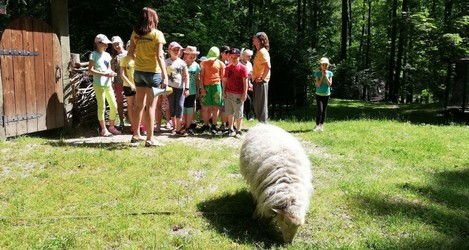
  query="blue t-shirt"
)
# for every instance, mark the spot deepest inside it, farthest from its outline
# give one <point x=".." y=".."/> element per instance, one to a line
<point x="323" y="89"/>
<point x="102" y="64"/>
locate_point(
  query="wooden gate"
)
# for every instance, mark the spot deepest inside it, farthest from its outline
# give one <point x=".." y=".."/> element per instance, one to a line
<point x="31" y="84"/>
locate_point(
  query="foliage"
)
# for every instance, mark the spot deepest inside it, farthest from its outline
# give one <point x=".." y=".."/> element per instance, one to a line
<point x="433" y="33"/>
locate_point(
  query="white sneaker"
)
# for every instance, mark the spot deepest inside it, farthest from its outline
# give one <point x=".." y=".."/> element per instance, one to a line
<point x="317" y="128"/>
<point x="321" y="128"/>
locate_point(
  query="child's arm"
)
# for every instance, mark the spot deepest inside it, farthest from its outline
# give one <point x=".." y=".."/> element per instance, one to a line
<point x="319" y="80"/>
<point x="225" y="81"/>
<point x="197" y="82"/>
<point x="245" y="88"/>
<point x="185" y="76"/>
<point x="124" y="76"/>
<point x="201" y="82"/>
<point x="99" y="73"/>
<point x="328" y="80"/>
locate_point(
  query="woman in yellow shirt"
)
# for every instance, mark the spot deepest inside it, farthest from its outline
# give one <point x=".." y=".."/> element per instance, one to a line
<point x="146" y="43"/>
<point x="261" y="76"/>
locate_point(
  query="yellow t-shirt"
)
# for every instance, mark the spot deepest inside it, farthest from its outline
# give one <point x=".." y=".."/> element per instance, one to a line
<point x="145" y="53"/>
<point x="129" y="66"/>
<point x="261" y="58"/>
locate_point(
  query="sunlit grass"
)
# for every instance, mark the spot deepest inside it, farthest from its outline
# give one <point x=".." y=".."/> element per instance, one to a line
<point x="381" y="181"/>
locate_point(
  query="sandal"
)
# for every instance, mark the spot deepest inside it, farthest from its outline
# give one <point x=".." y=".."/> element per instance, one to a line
<point x="149" y="143"/>
<point x="105" y="133"/>
<point x="182" y="133"/>
<point x="136" y="139"/>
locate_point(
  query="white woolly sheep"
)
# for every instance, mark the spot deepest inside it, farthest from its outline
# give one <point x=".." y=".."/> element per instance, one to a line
<point x="278" y="173"/>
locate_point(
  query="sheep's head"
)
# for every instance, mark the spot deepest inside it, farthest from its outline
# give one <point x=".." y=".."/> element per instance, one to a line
<point x="289" y="219"/>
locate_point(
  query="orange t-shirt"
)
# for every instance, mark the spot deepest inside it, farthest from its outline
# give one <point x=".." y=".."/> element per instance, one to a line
<point x="212" y="71"/>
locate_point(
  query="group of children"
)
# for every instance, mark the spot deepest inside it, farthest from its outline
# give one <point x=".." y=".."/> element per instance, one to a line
<point x="220" y="83"/>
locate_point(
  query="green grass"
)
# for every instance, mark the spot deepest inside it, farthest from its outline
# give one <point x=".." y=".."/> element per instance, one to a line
<point x="384" y="178"/>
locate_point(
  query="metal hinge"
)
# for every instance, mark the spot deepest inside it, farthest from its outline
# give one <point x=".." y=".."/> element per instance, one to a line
<point x="7" y="52"/>
<point x="10" y="119"/>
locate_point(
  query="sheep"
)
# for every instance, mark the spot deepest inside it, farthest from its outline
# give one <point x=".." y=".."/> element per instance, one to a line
<point x="278" y="172"/>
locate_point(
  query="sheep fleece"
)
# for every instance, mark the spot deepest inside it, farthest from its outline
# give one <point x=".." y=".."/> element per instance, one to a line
<point x="277" y="170"/>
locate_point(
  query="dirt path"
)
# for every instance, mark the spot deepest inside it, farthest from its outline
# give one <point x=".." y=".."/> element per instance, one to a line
<point x="199" y="140"/>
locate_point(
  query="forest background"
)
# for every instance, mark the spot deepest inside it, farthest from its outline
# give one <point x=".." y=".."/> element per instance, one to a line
<point x="396" y="51"/>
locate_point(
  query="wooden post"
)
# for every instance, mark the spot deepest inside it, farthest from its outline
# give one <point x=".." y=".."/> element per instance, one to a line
<point x="59" y="9"/>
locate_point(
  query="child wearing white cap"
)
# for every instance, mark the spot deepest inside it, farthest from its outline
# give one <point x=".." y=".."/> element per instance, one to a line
<point x="179" y="81"/>
<point x="323" y="82"/>
<point x="99" y="66"/>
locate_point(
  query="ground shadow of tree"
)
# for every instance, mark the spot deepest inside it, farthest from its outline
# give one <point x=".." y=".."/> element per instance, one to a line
<point x="449" y="215"/>
<point x="344" y="110"/>
<point x="231" y="215"/>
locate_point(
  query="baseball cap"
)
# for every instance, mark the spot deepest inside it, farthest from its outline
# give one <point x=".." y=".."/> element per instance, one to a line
<point x="235" y="51"/>
<point x="100" y="38"/>
<point x="117" y="39"/>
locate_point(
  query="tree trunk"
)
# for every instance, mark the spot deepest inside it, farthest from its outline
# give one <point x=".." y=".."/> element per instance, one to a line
<point x="400" y="52"/>
<point x="362" y="37"/>
<point x="343" y="47"/>
<point x="368" y="38"/>
<point x="447" y="28"/>
<point x="350" y="23"/>
<point x="390" y="86"/>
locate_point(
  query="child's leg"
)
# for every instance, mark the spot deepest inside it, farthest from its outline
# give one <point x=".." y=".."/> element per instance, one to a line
<point x="118" y="89"/>
<point x="101" y="103"/>
<point x="111" y="99"/>
<point x="130" y="109"/>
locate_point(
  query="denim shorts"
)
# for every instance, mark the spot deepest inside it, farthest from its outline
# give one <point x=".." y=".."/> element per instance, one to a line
<point x="147" y="79"/>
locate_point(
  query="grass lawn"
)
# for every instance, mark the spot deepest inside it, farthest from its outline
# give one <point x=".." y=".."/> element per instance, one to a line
<point x="385" y="177"/>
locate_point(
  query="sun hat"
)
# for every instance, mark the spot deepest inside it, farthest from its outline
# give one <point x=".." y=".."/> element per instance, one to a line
<point x="100" y="38"/>
<point x="324" y="60"/>
<point x="203" y="58"/>
<point x="117" y="39"/>
<point x="191" y="50"/>
<point x="173" y="45"/>
<point x="213" y="52"/>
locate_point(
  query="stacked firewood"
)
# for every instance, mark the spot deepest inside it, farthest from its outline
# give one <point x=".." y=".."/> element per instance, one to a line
<point x="83" y="97"/>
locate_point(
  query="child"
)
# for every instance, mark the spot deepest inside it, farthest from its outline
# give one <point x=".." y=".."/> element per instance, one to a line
<point x="210" y="88"/>
<point x="179" y="81"/>
<point x="99" y="67"/>
<point x="118" y="52"/>
<point x="235" y="87"/>
<point x="190" y="55"/>
<point x="127" y="74"/>
<point x="323" y="82"/>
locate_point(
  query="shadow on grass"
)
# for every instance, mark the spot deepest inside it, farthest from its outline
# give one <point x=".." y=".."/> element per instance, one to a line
<point x="231" y="215"/>
<point x="449" y="215"/>
<point x="343" y="110"/>
<point x="91" y="144"/>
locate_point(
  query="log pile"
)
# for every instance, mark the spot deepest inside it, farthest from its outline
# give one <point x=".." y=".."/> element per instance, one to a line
<point x="83" y="98"/>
